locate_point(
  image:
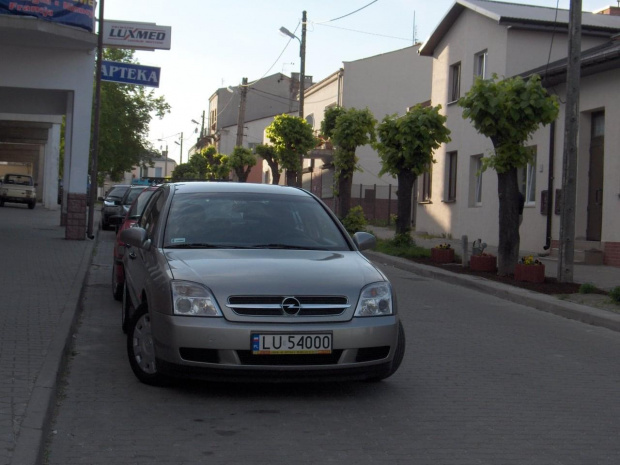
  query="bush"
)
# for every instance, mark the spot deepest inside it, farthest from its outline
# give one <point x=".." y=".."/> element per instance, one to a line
<point x="615" y="294"/>
<point x="587" y="288"/>
<point x="355" y="221"/>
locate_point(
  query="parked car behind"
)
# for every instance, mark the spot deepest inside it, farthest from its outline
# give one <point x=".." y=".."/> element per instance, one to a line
<point x="254" y="282"/>
<point x="112" y="204"/>
<point x="135" y="210"/>
<point x="18" y="188"/>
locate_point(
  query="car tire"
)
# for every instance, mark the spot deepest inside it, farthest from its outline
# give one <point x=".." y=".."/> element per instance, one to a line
<point x="127" y="310"/>
<point x="399" y="354"/>
<point x="31" y="205"/>
<point x="141" y="350"/>
<point x="117" y="288"/>
<point x="1" y="202"/>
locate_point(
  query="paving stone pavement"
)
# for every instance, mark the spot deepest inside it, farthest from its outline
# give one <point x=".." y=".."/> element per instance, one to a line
<point x="42" y="276"/>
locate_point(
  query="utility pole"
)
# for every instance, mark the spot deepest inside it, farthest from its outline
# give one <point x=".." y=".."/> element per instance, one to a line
<point x="571" y="131"/>
<point x="181" y="145"/>
<point x="94" y="169"/>
<point x="302" y="71"/>
<point x="241" y="115"/>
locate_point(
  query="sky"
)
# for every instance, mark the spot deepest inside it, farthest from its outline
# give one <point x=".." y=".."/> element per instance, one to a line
<point x="216" y="43"/>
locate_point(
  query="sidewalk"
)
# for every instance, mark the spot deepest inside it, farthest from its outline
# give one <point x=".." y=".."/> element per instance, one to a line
<point x="603" y="277"/>
<point x="42" y="276"/>
<point x="42" y="279"/>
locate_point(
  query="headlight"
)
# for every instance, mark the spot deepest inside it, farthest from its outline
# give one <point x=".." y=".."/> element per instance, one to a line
<point x="375" y="300"/>
<point x="192" y="299"/>
<point x="108" y="203"/>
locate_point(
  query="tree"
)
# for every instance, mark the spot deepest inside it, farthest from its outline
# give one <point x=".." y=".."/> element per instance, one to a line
<point x="126" y="111"/>
<point x="508" y="111"/>
<point x="347" y="129"/>
<point x="241" y="161"/>
<point x="268" y="153"/>
<point x="292" y="138"/>
<point x="406" y="145"/>
<point x="184" y="172"/>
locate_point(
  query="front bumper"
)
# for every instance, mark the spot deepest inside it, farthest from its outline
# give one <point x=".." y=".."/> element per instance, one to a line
<point x="213" y="348"/>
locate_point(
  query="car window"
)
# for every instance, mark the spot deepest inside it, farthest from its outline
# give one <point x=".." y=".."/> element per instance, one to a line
<point x="243" y="220"/>
<point x="137" y="207"/>
<point x="148" y="221"/>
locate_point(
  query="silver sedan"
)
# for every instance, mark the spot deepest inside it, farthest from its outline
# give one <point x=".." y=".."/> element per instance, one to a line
<point x="255" y="282"/>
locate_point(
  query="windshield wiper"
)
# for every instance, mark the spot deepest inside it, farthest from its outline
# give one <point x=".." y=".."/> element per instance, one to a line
<point x="203" y="245"/>
<point x="286" y="247"/>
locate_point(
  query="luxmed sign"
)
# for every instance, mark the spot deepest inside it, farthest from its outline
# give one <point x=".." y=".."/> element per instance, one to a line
<point x="137" y="36"/>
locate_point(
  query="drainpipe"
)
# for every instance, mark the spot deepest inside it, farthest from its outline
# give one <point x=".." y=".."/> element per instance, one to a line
<point x="550" y="184"/>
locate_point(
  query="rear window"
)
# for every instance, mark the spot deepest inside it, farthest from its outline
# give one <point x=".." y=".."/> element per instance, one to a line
<point x="246" y="220"/>
<point x="118" y="191"/>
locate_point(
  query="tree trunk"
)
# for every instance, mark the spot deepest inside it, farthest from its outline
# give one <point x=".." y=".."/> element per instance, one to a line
<point x="406" y="180"/>
<point x="509" y="239"/>
<point x="345" y="183"/>
<point x="275" y="173"/>
<point x="291" y="178"/>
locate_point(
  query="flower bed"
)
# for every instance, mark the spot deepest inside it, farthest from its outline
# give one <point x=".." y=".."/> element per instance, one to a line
<point x="442" y="254"/>
<point x="530" y="270"/>
<point x="483" y="262"/>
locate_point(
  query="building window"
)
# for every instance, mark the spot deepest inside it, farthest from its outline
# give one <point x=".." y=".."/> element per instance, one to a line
<point x="455" y="82"/>
<point x="527" y="180"/>
<point x="475" y="177"/>
<point x="427" y="180"/>
<point x="451" y="164"/>
<point x="480" y="64"/>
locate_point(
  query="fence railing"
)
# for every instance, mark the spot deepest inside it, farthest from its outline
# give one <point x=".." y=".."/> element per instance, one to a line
<point x="379" y="203"/>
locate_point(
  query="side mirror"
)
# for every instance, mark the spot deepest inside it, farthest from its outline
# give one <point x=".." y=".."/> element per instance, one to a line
<point x="364" y="240"/>
<point x="136" y="237"/>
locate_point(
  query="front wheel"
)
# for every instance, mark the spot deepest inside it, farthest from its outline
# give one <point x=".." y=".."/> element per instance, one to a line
<point x="141" y="350"/>
<point x="32" y="204"/>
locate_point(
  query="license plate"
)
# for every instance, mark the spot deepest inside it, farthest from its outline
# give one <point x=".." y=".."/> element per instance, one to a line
<point x="291" y="344"/>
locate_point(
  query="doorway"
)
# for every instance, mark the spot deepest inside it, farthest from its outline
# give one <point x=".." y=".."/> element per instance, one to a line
<point x="595" y="177"/>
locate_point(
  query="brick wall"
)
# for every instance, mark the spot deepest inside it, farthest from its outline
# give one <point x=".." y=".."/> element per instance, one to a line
<point x="76" y="217"/>
<point x="611" y="253"/>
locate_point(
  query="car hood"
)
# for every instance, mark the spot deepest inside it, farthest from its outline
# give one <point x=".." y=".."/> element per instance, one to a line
<point x="274" y="272"/>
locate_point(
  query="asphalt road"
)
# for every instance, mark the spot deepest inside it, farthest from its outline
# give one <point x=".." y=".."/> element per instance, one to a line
<point x="484" y="381"/>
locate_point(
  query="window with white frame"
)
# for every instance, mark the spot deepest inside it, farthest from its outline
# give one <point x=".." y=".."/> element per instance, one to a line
<point x="480" y="64"/>
<point x="455" y="82"/>
<point x="451" y="165"/>
<point x="427" y="180"/>
<point x="527" y="180"/>
<point x="475" y="180"/>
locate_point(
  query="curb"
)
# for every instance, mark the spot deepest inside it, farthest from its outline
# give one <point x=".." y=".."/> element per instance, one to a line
<point x="30" y="445"/>
<point x="543" y="302"/>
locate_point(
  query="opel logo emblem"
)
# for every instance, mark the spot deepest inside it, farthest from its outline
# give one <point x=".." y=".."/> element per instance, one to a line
<point x="290" y="306"/>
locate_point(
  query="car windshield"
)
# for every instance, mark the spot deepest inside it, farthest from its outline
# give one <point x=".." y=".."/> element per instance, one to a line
<point x="137" y="207"/>
<point x="132" y="195"/>
<point x="118" y="191"/>
<point x="242" y="220"/>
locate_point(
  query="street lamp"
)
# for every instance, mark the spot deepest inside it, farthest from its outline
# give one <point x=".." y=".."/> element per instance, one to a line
<point x="302" y="54"/>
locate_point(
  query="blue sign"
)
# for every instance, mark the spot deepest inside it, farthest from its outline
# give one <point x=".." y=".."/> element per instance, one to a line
<point x="78" y="13"/>
<point x="128" y="73"/>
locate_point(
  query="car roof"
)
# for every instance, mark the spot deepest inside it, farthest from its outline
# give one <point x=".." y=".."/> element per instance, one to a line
<point x="241" y="187"/>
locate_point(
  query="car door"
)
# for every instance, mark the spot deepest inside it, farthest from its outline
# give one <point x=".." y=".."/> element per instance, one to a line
<point x="141" y="263"/>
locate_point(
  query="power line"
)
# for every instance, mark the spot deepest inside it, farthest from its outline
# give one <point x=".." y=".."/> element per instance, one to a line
<point x="349" y="14"/>
<point x="363" y="32"/>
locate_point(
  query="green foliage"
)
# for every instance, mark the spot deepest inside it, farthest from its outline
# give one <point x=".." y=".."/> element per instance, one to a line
<point x="126" y="111"/>
<point x="587" y="288"/>
<point x="351" y="129"/>
<point x="407" y="143"/>
<point x="355" y="220"/>
<point x="206" y="165"/>
<point x="508" y="111"/>
<point x="184" y="172"/>
<point x="329" y="120"/>
<point x="404" y="239"/>
<point x="292" y="138"/>
<point x="614" y="294"/>
<point x="398" y="249"/>
<point x="241" y="161"/>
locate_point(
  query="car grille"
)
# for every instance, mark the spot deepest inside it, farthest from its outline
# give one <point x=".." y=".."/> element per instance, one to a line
<point x="272" y="305"/>
<point x="247" y="358"/>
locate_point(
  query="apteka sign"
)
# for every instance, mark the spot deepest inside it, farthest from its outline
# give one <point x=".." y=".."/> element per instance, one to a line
<point x="137" y="36"/>
<point x="128" y="73"/>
